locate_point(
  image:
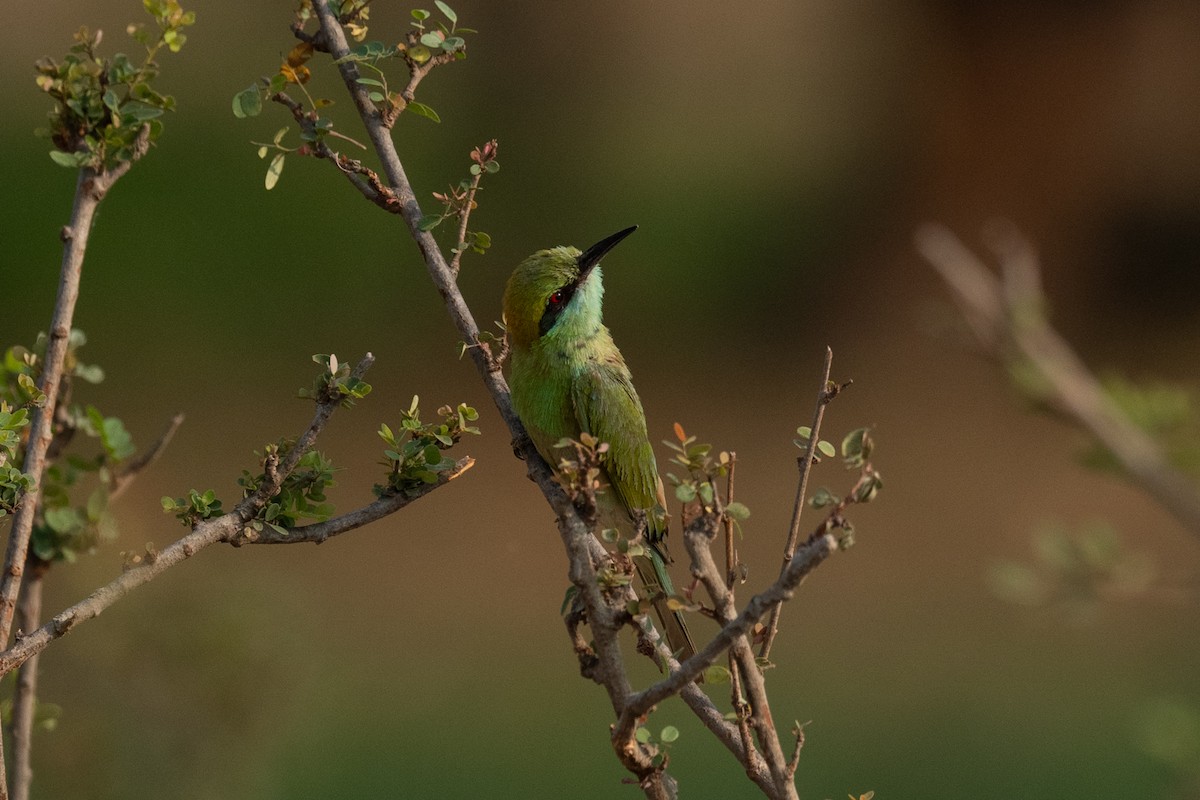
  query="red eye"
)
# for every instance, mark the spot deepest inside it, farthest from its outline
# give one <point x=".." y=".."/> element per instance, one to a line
<point x="556" y="298"/>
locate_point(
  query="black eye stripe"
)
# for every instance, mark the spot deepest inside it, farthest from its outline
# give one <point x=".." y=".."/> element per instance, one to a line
<point x="555" y="304"/>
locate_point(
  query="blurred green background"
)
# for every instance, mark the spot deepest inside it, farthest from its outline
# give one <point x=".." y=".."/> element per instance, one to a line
<point x="777" y="156"/>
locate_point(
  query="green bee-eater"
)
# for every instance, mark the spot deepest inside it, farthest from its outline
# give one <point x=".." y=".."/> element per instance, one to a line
<point x="568" y="377"/>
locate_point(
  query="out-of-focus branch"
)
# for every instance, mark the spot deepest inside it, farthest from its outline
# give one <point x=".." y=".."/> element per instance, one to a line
<point x="1006" y="315"/>
<point x="144" y="459"/>
<point x="29" y="611"/>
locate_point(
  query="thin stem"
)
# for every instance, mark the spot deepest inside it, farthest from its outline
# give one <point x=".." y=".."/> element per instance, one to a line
<point x="130" y="471"/>
<point x="731" y="570"/>
<point x="75" y="237"/>
<point x="29" y="611"/>
<point x="740" y="707"/>
<point x="464" y="218"/>
<point x="825" y="395"/>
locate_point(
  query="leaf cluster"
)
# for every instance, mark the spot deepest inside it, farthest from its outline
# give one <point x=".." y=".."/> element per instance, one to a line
<point x="1074" y="570"/>
<point x="856" y="450"/>
<point x="13" y="482"/>
<point x="301" y="494"/>
<point x="698" y="484"/>
<point x="1165" y="412"/>
<point x="194" y="508"/>
<point x="335" y="383"/>
<point x="64" y="529"/>
<point x="45" y="715"/>
<point x="430" y="42"/>
<point x="579" y="470"/>
<point x="102" y="105"/>
<point x="458" y="201"/>
<point x="414" y="453"/>
<point x="657" y="745"/>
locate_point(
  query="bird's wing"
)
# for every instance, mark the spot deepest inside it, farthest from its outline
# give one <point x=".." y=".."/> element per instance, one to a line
<point x="607" y="406"/>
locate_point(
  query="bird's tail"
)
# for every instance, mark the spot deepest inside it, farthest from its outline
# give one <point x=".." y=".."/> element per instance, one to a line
<point x="652" y="569"/>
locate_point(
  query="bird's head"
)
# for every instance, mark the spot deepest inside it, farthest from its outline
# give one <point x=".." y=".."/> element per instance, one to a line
<point x="557" y="292"/>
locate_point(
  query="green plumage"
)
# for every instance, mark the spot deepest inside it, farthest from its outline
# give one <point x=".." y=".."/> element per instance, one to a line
<point x="568" y="377"/>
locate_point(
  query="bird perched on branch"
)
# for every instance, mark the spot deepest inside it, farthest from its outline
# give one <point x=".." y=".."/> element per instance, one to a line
<point x="567" y="378"/>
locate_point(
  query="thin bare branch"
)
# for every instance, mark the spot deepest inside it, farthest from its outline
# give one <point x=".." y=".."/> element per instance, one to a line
<point x="135" y="467"/>
<point x="731" y="560"/>
<point x="1006" y="315"/>
<point x="29" y="611"/>
<point x="364" y="179"/>
<point x="825" y="395"/>
<point x="463" y="219"/>
<point x="741" y="710"/>
<point x="798" y="732"/>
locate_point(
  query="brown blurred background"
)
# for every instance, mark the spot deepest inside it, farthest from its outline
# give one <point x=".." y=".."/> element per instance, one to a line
<point x="777" y="156"/>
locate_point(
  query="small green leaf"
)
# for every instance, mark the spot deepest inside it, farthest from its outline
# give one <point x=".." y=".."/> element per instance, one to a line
<point x="273" y="171"/>
<point x="827" y="449"/>
<point x="738" y="511"/>
<point x="716" y="674"/>
<point x="669" y="734"/>
<point x="568" y="599"/>
<point x="447" y="10"/>
<point x="90" y="373"/>
<point x="822" y="497"/>
<point x="431" y="40"/>
<point x="685" y="492"/>
<point x="69" y="160"/>
<point x="423" y="110"/>
<point x="247" y="103"/>
<point x="140" y="112"/>
<point x="642" y="735"/>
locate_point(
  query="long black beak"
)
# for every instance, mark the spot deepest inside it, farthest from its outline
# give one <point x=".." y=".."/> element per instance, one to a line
<point x="591" y="257"/>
